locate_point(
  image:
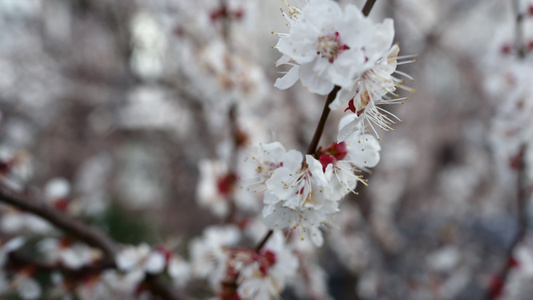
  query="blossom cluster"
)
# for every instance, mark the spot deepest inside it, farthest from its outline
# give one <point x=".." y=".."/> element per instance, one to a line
<point x="330" y="49"/>
<point x="257" y="186"/>
<point x="327" y="47"/>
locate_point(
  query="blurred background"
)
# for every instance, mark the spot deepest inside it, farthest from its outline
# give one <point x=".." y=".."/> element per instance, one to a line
<point x="123" y="99"/>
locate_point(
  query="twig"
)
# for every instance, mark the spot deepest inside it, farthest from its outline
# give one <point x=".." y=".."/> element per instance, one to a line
<point x="159" y="287"/>
<point x="323" y="118"/>
<point x="237" y="143"/>
<point x="263" y="241"/>
<point x="83" y="232"/>
<point x="519" y="32"/>
<point x="497" y="286"/>
<point x="523" y="194"/>
<point x="368" y="7"/>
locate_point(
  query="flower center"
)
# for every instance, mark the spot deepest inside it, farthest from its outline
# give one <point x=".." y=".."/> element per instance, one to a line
<point x="330" y="46"/>
<point x="332" y="154"/>
<point x="358" y="107"/>
<point x="226" y="184"/>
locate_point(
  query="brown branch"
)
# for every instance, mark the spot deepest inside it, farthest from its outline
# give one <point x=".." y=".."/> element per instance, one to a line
<point x="519" y="32"/>
<point x="523" y="194"/>
<point x="499" y="281"/>
<point x="263" y="241"/>
<point x="81" y="231"/>
<point x="237" y="143"/>
<point x="159" y="287"/>
<point x="368" y="7"/>
<point x="322" y="122"/>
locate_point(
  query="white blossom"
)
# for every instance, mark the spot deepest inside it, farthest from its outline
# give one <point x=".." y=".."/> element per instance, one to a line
<point x="264" y="275"/>
<point x="376" y="86"/>
<point x="27" y="287"/>
<point x="139" y="260"/>
<point x="208" y="253"/>
<point x="307" y="220"/>
<point x="215" y="186"/>
<point x="299" y="186"/>
<point x="264" y="160"/>
<point x="343" y="163"/>
<point x="73" y="255"/>
<point x="328" y="46"/>
<point x="179" y="270"/>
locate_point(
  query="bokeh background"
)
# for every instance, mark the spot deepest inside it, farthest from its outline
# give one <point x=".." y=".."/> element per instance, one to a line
<point x="123" y="99"/>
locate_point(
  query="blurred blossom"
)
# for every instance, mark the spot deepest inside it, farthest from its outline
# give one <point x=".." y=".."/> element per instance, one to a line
<point x="67" y="253"/>
<point x="92" y="184"/>
<point x="141" y="181"/>
<point x="152" y="108"/>
<point x="149" y="45"/>
<point x="171" y="111"/>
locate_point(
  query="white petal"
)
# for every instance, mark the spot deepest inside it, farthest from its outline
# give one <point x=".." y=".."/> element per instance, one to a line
<point x="367" y="158"/>
<point x="14" y="244"/>
<point x="289" y="79"/>
<point x="343" y="96"/>
<point x="316" y="236"/>
<point x="316" y="169"/>
<point x="276" y="184"/>
<point x="348" y="127"/>
<point x="155" y="263"/>
<point x="29" y="289"/>
<point x="284" y="59"/>
<point x="316" y="83"/>
<point x="292" y="160"/>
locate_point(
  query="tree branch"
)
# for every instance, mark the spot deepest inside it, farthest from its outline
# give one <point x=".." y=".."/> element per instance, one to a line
<point x="498" y="285"/>
<point x="81" y="231"/>
<point x="263" y="241"/>
<point x="519" y="32"/>
<point x="368" y="7"/>
<point x="322" y="122"/>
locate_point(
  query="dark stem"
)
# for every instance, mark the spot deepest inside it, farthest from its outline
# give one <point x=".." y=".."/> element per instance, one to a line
<point x="235" y="133"/>
<point x="321" y="124"/>
<point x="226" y="23"/>
<point x="499" y="281"/>
<point x="160" y="287"/>
<point x="523" y="194"/>
<point x="519" y="43"/>
<point x="81" y="231"/>
<point x="368" y="7"/>
<point x="236" y="136"/>
<point x="263" y="241"/>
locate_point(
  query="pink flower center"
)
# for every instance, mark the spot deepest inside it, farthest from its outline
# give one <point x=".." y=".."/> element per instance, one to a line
<point x="359" y="107"/>
<point x="330" y="46"/>
<point x="224" y="12"/>
<point x="265" y="260"/>
<point x="226" y="184"/>
<point x="332" y="154"/>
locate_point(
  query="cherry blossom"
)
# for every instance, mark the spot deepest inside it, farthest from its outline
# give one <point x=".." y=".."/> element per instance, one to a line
<point x="328" y="46"/>
<point x="376" y="86"/>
